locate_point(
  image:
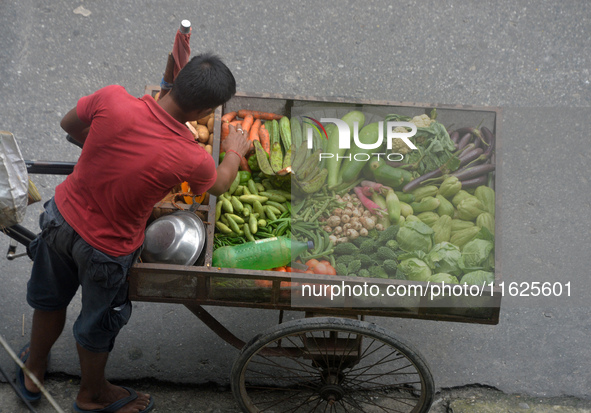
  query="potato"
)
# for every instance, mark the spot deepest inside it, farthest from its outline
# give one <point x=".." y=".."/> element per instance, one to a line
<point x="201" y="144"/>
<point x="202" y="133"/>
<point x="210" y="140"/>
<point x="209" y="149"/>
<point x="210" y="124"/>
<point x="204" y="120"/>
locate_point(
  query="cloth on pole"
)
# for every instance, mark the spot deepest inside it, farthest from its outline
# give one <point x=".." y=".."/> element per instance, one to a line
<point x="181" y="50"/>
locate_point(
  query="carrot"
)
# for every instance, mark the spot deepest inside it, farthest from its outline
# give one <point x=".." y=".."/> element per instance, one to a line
<point x="225" y="130"/>
<point x="247" y="123"/>
<point x="265" y="139"/>
<point x="244" y="164"/>
<point x="236" y="123"/>
<point x="254" y="131"/>
<point x="228" y="117"/>
<point x="259" y="115"/>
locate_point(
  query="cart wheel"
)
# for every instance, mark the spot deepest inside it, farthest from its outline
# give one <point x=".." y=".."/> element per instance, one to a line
<point x="330" y="364"/>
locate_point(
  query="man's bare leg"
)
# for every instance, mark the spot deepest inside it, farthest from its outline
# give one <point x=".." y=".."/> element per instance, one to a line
<point x="96" y="392"/>
<point x="47" y="327"/>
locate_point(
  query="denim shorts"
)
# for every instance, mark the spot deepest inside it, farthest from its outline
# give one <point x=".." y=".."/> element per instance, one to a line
<point x="63" y="261"/>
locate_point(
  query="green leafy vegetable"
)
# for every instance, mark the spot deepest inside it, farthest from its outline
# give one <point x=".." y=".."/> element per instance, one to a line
<point x="415" y="236"/>
<point x="444" y="257"/>
<point x="434" y="146"/>
<point x="415" y="269"/>
<point x="478" y="277"/>
<point x="476" y="255"/>
<point x="443" y="277"/>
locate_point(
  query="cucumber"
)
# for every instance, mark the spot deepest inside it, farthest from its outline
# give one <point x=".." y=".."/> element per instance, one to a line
<point x="273" y="196"/>
<point x="333" y="164"/>
<point x="223" y="228"/>
<point x="296" y="132"/>
<point x="285" y="132"/>
<point x="404" y="197"/>
<point x="273" y="128"/>
<point x="350" y="168"/>
<point x="252" y="187"/>
<point x="385" y="174"/>
<point x="236" y="204"/>
<point x="250" y="199"/>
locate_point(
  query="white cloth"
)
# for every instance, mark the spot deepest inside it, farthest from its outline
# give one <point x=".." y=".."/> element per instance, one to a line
<point x="14" y="181"/>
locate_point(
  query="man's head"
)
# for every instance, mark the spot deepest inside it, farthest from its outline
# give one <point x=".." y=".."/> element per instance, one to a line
<point x="204" y="83"/>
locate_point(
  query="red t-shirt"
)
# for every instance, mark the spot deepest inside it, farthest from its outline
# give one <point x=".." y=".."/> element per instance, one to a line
<point x="134" y="154"/>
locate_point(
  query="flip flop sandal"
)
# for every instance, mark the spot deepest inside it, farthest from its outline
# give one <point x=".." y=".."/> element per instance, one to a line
<point x="113" y="407"/>
<point x="20" y="378"/>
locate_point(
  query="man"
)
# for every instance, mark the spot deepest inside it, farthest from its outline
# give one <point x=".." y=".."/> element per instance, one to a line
<point x="135" y="151"/>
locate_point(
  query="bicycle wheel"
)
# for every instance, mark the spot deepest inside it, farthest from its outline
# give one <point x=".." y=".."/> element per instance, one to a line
<point x="330" y="364"/>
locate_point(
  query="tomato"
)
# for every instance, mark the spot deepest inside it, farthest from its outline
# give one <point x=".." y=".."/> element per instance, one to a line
<point x="309" y="272"/>
<point x="312" y="263"/>
<point x="263" y="283"/>
<point x="322" y="269"/>
<point x="288" y="269"/>
<point x="280" y="269"/>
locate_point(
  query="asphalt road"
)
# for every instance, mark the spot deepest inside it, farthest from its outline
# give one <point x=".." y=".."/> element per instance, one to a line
<point x="529" y="57"/>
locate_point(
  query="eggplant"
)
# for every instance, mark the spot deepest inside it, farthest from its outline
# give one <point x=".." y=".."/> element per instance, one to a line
<point x="465" y="130"/>
<point x="464" y="140"/>
<point x="464" y="151"/>
<point x="483" y="156"/>
<point x="477" y="134"/>
<point x="454" y="136"/>
<point x="470" y="156"/>
<point x="490" y="141"/>
<point x="475" y="182"/>
<point x="436" y="173"/>
<point x="474" y="171"/>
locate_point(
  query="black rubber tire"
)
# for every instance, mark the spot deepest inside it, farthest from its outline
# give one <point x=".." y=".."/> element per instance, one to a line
<point x="322" y="381"/>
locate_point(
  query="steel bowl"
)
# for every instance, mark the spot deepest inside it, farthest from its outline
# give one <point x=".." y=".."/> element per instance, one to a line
<point x="177" y="238"/>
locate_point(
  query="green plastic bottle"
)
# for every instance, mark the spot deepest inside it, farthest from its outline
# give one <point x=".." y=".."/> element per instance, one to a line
<point x="262" y="254"/>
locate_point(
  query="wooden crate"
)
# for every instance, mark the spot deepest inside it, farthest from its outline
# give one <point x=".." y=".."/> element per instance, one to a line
<point x="206" y="285"/>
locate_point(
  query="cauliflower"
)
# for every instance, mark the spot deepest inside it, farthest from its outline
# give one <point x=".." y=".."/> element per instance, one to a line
<point x="398" y="145"/>
<point x="423" y="121"/>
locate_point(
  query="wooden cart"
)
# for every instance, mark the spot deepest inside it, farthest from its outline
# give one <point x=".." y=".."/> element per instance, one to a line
<point x="331" y="359"/>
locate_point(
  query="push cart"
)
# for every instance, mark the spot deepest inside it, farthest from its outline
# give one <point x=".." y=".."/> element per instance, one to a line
<point x="331" y="359"/>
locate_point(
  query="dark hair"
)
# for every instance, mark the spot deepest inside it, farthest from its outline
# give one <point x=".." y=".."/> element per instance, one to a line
<point x="205" y="82"/>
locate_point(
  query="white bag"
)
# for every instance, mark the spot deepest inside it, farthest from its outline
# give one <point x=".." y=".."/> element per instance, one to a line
<point x="14" y="182"/>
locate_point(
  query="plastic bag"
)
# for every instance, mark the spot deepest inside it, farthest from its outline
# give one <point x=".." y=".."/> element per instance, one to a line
<point x="14" y="182"/>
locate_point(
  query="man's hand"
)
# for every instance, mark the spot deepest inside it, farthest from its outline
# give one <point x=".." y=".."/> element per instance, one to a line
<point x="237" y="141"/>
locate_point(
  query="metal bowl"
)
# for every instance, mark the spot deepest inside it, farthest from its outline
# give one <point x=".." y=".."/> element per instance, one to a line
<point x="177" y="238"/>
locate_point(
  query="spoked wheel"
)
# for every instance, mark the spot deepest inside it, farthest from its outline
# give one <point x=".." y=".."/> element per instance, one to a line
<point x="330" y="365"/>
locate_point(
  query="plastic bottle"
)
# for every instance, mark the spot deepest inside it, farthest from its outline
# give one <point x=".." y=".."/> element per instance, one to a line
<point x="262" y="254"/>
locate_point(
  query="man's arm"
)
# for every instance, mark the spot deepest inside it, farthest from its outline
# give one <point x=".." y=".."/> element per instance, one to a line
<point x="227" y="170"/>
<point x="72" y="124"/>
